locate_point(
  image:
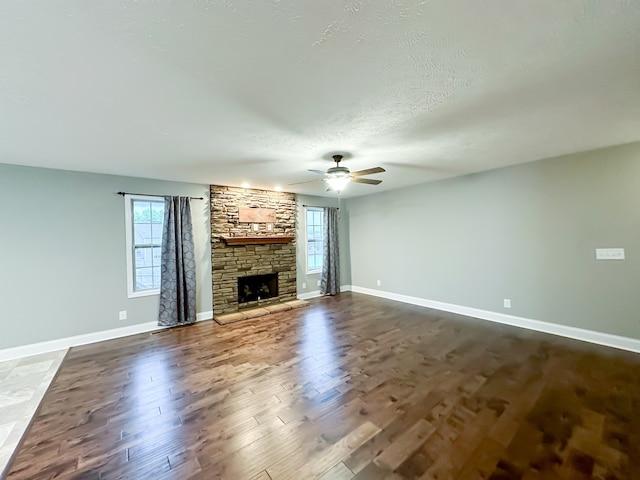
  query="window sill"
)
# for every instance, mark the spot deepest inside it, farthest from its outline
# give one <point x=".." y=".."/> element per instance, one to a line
<point x="143" y="293"/>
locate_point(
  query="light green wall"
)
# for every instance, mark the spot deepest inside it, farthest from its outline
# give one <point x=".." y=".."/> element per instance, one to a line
<point x="527" y="233"/>
<point x="311" y="280"/>
<point x="62" y="253"/>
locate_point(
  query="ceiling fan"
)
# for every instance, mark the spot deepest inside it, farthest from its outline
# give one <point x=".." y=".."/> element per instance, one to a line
<point x="338" y="177"/>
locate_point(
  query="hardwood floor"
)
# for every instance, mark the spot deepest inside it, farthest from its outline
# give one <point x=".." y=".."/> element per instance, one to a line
<point x="350" y="387"/>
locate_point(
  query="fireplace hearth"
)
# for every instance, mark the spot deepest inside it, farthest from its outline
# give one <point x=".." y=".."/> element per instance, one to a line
<point x="254" y="288"/>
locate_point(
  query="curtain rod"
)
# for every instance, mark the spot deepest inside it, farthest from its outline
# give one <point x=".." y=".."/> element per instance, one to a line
<point x="151" y="195"/>
<point x="318" y="206"/>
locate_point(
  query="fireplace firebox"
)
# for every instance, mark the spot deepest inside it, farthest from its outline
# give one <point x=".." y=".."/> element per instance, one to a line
<point x="254" y="288"/>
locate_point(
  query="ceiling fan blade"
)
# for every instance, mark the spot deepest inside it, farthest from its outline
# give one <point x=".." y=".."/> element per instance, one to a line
<point x="318" y="172"/>
<point x="306" y="181"/>
<point x="368" y="171"/>
<point x="368" y="181"/>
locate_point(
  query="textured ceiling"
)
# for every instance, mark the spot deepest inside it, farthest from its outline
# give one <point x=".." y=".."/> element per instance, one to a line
<point x="260" y="91"/>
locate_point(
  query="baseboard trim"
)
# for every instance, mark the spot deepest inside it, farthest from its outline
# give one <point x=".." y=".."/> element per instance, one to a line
<point x="202" y="316"/>
<point x="316" y="293"/>
<point x="68" y="342"/>
<point x="308" y="295"/>
<point x="600" y="338"/>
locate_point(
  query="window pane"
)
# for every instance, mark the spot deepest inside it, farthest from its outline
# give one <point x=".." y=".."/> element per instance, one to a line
<point x="156" y="233"/>
<point x="157" y="256"/>
<point x="142" y="234"/>
<point x="143" y="257"/>
<point x="157" y="212"/>
<point x="144" y="278"/>
<point x="141" y="211"/>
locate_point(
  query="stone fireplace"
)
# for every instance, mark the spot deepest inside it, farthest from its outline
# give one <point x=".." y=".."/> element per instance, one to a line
<point x="253" y="248"/>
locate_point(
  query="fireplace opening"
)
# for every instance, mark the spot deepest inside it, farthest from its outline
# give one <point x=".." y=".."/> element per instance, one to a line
<point x="257" y="287"/>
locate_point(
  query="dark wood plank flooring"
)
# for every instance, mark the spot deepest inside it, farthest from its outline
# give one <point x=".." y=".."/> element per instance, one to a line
<point x="350" y="387"/>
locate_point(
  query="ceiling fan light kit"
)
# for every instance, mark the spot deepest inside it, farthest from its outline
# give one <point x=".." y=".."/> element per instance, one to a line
<point x="339" y="177"/>
<point x="337" y="182"/>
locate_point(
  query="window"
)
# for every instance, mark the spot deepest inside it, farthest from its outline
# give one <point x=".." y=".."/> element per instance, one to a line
<point x="144" y="220"/>
<point x="314" y="239"/>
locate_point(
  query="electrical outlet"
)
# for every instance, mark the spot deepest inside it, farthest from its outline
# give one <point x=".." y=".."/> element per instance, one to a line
<point x="122" y="315"/>
<point x="507" y="303"/>
<point x="256" y="227"/>
<point x="304" y="285"/>
<point x="270" y="227"/>
<point x="378" y="282"/>
<point x="318" y="283"/>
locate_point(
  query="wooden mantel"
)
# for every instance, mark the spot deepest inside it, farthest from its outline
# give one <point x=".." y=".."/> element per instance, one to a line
<point x="259" y="240"/>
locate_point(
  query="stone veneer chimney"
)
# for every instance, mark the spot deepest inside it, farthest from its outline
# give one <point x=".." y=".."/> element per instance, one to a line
<point x="229" y="262"/>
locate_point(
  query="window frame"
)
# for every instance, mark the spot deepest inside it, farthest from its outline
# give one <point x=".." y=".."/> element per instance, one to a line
<point x="306" y="238"/>
<point x="130" y="246"/>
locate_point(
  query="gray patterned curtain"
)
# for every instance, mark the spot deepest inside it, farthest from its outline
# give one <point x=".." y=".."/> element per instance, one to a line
<point x="178" y="277"/>
<point x="330" y="280"/>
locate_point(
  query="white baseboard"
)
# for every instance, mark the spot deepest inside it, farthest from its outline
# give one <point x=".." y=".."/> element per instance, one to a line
<point x="202" y="316"/>
<point x="308" y="295"/>
<point x="615" y="341"/>
<point x="68" y="342"/>
<point x="316" y="293"/>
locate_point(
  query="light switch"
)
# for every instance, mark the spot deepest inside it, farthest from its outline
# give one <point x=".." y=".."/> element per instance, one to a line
<point x="609" y="253"/>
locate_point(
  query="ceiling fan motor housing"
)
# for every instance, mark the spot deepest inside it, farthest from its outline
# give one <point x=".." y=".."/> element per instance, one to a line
<point x="338" y="171"/>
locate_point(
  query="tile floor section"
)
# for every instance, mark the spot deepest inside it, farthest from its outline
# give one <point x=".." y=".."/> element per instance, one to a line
<point x="23" y="383"/>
